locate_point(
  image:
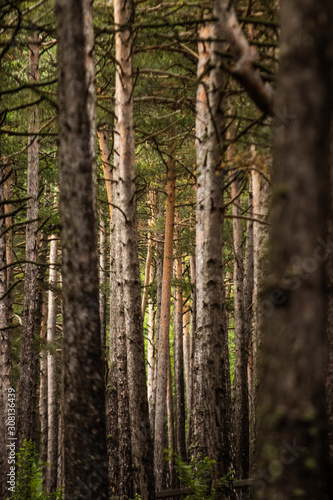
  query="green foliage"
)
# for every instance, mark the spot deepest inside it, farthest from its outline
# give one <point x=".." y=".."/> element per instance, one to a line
<point x="29" y="476"/>
<point x="199" y="477"/>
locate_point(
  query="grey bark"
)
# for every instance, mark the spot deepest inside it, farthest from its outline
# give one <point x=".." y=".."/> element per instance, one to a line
<point x="52" y="386"/>
<point x="211" y="396"/>
<point x="83" y="371"/>
<point x="179" y="364"/>
<point x="142" y="456"/>
<point x="292" y="433"/>
<point x="28" y="380"/>
<point x="43" y="390"/>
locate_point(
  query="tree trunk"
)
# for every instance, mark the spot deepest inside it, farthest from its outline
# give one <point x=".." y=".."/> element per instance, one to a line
<point x="28" y="381"/>
<point x="163" y="350"/>
<point x="43" y="390"/>
<point x="52" y="399"/>
<point x="111" y="395"/>
<point x="179" y="364"/>
<point x="102" y="282"/>
<point x="159" y="286"/>
<point x="103" y="138"/>
<point x="171" y="432"/>
<point x="211" y="397"/>
<point x="142" y="457"/>
<point x="329" y="367"/>
<point x="6" y="377"/>
<point x="193" y="327"/>
<point x="261" y="195"/>
<point x="292" y="434"/>
<point x="151" y="358"/>
<point x="83" y="402"/>
<point x="241" y="402"/>
<point x="112" y="382"/>
<point x="248" y="306"/>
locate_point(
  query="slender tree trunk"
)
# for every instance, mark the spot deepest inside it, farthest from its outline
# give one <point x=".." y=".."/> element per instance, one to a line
<point x="187" y="359"/>
<point x="83" y="369"/>
<point x="43" y="390"/>
<point x="292" y="444"/>
<point x="28" y="382"/>
<point x="211" y="397"/>
<point x="52" y="399"/>
<point x="241" y="402"/>
<point x="142" y="457"/>
<point x="102" y="282"/>
<point x="329" y="367"/>
<point x="159" y="285"/>
<point x="261" y="195"/>
<point x="151" y="358"/>
<point x="6" y="377"/>
<point x="103" y="138"/>
<point x="112" y="384"/>
<point x="179" y="364"/>
<point x="163" y="350"/>
<point x="171" y="431"/>
<point x="111" y="396"/>
<point x="193" y="327"/>
<point x="248" y="307"/>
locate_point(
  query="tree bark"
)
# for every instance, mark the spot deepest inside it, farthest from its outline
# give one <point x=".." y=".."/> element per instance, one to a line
<point x="179" y="363"/>
<point x="52" y="399"/>
<point x="211" y="397"/>
<point x="28" y="380"/>
<point x="292" y="440"/>
<point x="241" y="402"/>
<point x="102" y="282"/>
<point x="103" y="139"/>
<point x="43" y="390"/>
<point x="142" y="457"/>
<point x="163" y="349"/>
<point x="6" y="376"/>
<point x="83" y="369"/>
<point x="261" y="195"/>
<point x="193" y="327"/>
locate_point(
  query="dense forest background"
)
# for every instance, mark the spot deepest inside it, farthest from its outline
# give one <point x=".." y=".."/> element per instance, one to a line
<point x="166" y="322"/>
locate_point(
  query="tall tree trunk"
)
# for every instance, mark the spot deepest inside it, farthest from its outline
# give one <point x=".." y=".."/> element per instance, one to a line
<point x="260" y="203"/>
<point x="43" y="390"/>
<point x="187" y="358"/>
<point x="179" y="364"/>
<point x="6" y="376"/>
<point x="28" y="381"/>
<point x="292" y="435"/>
<point x="193" y="327"/>
<point x="112" y="382"/>
<point x="329" y="367"/>
<point x="151" y="358"/>
<point x="102" y="282"/>
<point x="52" y="399"/>
<point x="111" y="395"/>
<point x="103" y="138"/>
<point x="163" y="349"/>
<point x="83" y="403"/>
<point x="241" y="402"/>
<point x="159" y="286"/>
<point x="248" y="307"/>
<point x="142" y="457"/>
<point x="171" y="431"/>
<point x="211" y="397"/>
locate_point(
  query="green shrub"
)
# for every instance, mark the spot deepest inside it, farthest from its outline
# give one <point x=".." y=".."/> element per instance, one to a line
<point x="29" y="476"/>
<point x="198" y="476"/>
